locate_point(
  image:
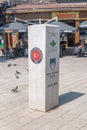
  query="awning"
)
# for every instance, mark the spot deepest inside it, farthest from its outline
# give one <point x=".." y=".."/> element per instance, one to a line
<point x="15" y="26"/>
<point x="64" y="27"/>
<point x="83" y="24"/>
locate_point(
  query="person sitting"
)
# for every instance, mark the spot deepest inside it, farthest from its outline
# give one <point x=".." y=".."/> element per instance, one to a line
<point x="80" y="49"/>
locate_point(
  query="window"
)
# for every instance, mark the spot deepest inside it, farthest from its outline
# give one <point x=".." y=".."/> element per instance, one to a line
<point x="11" y="17"/>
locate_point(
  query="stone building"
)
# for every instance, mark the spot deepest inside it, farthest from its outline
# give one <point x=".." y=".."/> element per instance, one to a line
<point x="72" y="14"/>
<point x="3" y="7"/>
<point x="16" y="2"/>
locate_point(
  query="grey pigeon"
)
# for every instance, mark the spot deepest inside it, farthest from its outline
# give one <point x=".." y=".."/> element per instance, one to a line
<point x="27" y="70"/>
<point x="15" y="64"/>
<point x="17" y="72"/>
<point x="17" y="77"/>
<point x="15" y="89"/>
<point x="9" y="65"/>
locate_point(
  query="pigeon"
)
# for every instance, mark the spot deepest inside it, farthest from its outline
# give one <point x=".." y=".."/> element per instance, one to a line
<point x="15" y="64"/>
<point x="9" y="65"/>
<point x="15" y="89"/>
<point x="17" y="72"/>
<point x="27" y="70"/>
<point x="17" y="77"/>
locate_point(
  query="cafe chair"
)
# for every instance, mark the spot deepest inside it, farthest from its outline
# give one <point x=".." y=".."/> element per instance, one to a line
<point x="84" y="51"/>
<point x="75" y="51"/>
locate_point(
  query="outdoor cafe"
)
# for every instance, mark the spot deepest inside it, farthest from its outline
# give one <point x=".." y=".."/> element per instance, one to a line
<point x="81" y="48"/>
<point x="14" y="33"/>
<point x="13" y="39"/>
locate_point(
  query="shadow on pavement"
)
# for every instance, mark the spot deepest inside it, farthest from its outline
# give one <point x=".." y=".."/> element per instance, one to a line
<point x="68" y="97"/>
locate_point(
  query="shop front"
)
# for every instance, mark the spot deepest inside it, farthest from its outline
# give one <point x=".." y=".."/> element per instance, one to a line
<point x="72" y="14"/>
<point x="70" y="18"/>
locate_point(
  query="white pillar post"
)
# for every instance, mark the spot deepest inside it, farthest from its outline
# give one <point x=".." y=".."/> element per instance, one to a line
<point x="43" y="66"/>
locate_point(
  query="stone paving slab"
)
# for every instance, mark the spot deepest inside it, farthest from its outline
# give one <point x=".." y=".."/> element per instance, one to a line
<point x="71" y="114"/>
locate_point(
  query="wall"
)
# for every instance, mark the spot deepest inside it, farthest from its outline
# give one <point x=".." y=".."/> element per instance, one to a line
<point x="30" y="16"/>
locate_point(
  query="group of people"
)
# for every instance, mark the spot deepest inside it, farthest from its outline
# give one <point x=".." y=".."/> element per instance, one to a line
<point x="19" y="50"/>
<point x="81" y="49"/>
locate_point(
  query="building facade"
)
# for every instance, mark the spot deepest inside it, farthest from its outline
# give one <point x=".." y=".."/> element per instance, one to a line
<point x="18" y="2"/>
<point x="3" y="7"/>
<point x="72" y="14"/>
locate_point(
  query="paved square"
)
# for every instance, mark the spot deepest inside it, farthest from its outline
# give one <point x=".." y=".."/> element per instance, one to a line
<point x="71" y="114"/>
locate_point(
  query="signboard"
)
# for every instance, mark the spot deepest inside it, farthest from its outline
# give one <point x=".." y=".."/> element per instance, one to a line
<point x="52" y="59"/>
<point x="36" y="55"/>
<point x="1" y="43"/>
<point x="14" y="39"/>
<point x="66" y="15"/>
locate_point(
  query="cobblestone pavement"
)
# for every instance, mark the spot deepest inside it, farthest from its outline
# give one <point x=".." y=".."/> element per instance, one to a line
<point x="71" y="114"/>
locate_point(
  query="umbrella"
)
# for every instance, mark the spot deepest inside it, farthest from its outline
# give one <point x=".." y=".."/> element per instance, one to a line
<point x="64" y="27"/>
<point x="83" y="24"/>
<point x="14" y="26"/>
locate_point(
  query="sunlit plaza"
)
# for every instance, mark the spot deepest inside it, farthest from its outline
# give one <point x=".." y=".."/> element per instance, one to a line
<point x="43" y="64"/>
<point x="71" y="114"/>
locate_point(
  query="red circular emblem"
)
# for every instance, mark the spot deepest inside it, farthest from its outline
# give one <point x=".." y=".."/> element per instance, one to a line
<point x="36" y="55"/>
